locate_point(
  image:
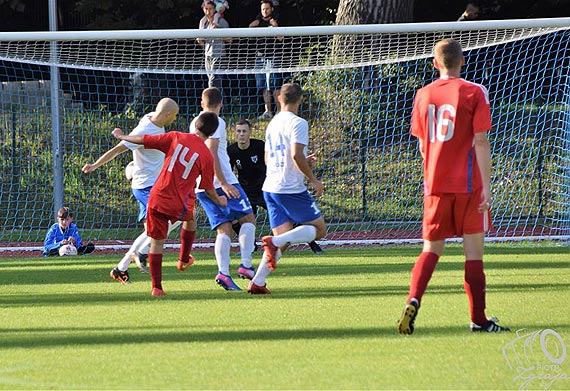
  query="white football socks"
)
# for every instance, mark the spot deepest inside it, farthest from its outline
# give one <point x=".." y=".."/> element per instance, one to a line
<point x="246" y="240"/>
<point x="301" y="234"/>
<point x="140" y="241"/>
<point x="222" y="251"/>
<point x="263" y="270"/>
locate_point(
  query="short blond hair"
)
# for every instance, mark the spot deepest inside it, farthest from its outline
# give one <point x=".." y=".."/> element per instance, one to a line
<point x="448" y="53"/>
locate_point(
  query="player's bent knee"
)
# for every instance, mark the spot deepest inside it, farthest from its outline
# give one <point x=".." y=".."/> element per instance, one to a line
<point x="321" y="228"/>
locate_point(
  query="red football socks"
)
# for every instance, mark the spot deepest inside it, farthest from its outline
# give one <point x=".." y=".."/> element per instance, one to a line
<point x="475" y="288"/>
<point x="186" y="242"/>
<point x="421" y="274"/>
<point x="155" y="266"/>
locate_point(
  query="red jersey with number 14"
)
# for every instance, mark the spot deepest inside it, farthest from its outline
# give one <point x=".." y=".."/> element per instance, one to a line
<point x="187" y="157"/>
<point x="447" y="113"/>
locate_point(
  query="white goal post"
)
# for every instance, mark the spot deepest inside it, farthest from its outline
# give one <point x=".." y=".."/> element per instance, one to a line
<point x="359" y="83"/>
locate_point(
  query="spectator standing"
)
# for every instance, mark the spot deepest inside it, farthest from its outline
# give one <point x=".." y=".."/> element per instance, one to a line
<point x="265" y="59"/>
<point x="214" y="48"/>
<point x="451" y="118"/>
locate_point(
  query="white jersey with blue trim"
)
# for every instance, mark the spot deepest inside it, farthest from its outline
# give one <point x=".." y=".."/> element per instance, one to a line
<point x="284" y="131"/>
<point x="221" y="135"/>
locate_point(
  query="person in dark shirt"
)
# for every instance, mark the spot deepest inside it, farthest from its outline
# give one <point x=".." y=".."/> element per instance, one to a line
<point x="247" y="158"/>
<point x="266" y="59"/>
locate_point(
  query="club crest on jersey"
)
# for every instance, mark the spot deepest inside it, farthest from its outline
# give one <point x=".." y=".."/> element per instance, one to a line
<point x="254" y="159"/>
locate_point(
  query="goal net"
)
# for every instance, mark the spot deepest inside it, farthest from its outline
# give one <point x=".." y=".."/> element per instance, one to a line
<point x="359" y="84"/>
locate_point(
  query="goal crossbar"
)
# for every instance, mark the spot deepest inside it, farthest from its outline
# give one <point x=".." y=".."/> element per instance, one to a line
<point x="545" y="23"/>
<point x="326" y="47"/>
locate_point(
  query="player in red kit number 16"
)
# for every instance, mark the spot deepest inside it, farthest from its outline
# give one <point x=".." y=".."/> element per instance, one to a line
<point x="451" y="118"/>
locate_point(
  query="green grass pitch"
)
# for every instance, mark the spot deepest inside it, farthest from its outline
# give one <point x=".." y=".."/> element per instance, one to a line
<point x="329" y="324"/>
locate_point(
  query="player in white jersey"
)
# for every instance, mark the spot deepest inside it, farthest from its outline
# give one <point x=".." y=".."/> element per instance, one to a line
<point x="288" y="201"/>
<point x="147" y="166"/>
<point x="238" y="207"/>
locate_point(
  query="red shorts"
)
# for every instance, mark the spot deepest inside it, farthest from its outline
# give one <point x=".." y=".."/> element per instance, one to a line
<point x="448" y="215"/>
<point x="157" y="223"/>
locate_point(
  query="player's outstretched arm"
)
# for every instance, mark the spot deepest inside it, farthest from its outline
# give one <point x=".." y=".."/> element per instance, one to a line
<point x="107" y="156"/>
<point x="118" y="133"/>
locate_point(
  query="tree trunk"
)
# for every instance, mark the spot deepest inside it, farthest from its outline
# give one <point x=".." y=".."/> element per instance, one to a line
<point x="374" y="11"/>
<point x="346" y="103"/>
<point x="356" y="12"/>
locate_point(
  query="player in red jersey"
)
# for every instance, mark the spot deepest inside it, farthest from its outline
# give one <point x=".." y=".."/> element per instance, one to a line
<point x="172" y="197"/>
<point x="451" y="118"/>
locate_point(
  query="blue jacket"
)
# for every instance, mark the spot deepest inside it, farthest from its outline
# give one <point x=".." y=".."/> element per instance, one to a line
<point x="56" y="235"/>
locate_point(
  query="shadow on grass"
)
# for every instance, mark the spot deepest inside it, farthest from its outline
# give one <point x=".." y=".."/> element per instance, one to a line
<point x="77" y="273"/>
<point x="451" y="250"/>
<point x="123" y="296"/>
<point x="86" y="336"/>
